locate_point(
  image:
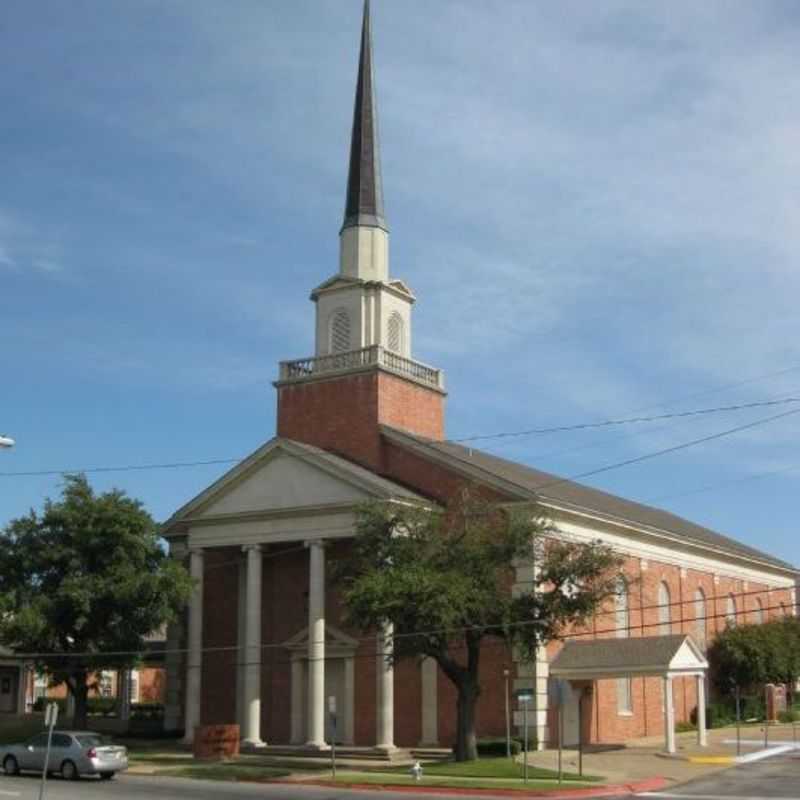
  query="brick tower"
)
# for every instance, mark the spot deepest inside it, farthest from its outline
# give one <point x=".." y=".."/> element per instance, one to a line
<point x="362" y="375"/>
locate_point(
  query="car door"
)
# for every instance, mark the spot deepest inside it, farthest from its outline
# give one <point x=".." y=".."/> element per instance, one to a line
<point x="59" y="750"/>
<point x="32" y="754"/>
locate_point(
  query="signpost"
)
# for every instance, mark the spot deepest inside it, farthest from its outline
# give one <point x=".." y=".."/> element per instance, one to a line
<point x="50" y="718"/>
<point x="524" y="696"/>
<point x="738" y="722"/>
<point x="559" y="692"/>
<point x="332" y="712"/>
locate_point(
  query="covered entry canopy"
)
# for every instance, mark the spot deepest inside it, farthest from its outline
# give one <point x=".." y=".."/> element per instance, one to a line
<point x="668" y="657"/>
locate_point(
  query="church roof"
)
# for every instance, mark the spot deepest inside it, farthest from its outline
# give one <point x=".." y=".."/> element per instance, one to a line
<point x="364" y="204"/>
<point x="527" y="483"/>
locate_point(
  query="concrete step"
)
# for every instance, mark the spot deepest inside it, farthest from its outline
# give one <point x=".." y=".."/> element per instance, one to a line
<point x="343" y="753"/>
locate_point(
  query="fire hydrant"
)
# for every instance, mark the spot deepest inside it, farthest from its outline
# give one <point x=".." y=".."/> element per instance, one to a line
<point x="416" y="771"/>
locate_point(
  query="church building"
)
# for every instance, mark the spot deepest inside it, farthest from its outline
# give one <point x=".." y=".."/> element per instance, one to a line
<point x="263" y="643"/>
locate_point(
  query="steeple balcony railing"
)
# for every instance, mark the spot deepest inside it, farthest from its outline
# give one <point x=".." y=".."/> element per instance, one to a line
<point x="354" y="360"/>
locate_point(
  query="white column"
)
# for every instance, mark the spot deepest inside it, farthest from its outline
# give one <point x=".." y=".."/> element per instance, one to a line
<point x="315" y="729"/>
<point x="430" y="702"/>
<point x="669" y="715"/>
<point x="251" y="735"/>
<point x="385" y="689"/>
<point x="298" y="689"/>
<point x="194" y="662"/>
<point x="702" y="736"/>
<point x="348" y="732"/>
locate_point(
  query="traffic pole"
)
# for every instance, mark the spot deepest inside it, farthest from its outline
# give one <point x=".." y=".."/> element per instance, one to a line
<point x="51" y="715"/>
<point x="525" y="706"/>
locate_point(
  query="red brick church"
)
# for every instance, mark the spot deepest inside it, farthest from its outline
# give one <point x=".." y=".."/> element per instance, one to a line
<point x="362" y="419"/>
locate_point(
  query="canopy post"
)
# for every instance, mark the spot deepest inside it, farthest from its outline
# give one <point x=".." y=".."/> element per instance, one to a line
<point x="669" y="715"/>
<point x="702" y="735"/>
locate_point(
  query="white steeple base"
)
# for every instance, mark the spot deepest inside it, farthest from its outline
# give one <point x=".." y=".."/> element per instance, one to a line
<point x="364" y="253"/>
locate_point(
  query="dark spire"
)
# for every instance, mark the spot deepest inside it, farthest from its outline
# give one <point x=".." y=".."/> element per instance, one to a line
<point x="364" y="185"/>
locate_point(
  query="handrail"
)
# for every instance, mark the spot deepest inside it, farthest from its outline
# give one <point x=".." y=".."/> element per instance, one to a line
<point x="374" y="355"/>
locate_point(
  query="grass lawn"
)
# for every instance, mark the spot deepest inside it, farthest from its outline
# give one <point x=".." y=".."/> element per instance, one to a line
<point x="394" y="779"/>
<point x="226" y="772"/>
<point x="496" y="768"/>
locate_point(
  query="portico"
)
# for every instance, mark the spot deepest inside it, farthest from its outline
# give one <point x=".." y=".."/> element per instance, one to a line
<point x="668" y="657"/>
<point x="256" y="512"/>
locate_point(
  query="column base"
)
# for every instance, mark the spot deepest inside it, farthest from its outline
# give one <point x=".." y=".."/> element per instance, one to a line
<point x="253" y="744"/>
<point x="386" y="749"/>
<point x="319" y="746"/>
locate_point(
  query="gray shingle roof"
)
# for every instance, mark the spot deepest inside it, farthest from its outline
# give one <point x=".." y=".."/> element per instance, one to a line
<point x="618" y="654"/>
<point x="530" y="482"/>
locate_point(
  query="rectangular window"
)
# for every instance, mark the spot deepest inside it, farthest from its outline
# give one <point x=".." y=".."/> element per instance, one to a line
<point x="624" y="696"/>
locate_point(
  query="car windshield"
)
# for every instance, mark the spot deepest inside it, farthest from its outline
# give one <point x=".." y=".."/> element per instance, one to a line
<point x="92" y="740"/>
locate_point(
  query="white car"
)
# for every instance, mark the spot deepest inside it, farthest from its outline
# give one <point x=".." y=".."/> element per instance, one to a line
<point x="72" y="753"/>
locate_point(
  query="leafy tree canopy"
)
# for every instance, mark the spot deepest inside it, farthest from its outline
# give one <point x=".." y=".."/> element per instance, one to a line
<point x="83" y="583"/>
<point x="750" y="656"/>
<point x="443" y="579"/>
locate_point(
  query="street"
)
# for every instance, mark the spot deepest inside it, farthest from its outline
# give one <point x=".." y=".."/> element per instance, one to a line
<point x="774" y="779"/>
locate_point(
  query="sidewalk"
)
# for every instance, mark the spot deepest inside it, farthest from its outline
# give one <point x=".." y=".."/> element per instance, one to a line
<point x="640" y="759"/>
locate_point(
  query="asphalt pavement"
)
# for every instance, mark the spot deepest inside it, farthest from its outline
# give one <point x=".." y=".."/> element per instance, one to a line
<point x="776" y="778"/>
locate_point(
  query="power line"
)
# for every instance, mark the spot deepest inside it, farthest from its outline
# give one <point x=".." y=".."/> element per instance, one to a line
<point x="724" y="484"/>
<point x="630" y="420"/>
<point x="464" y="628"/>
<point x="534" y="431"/>
<point x="233" y="648"/>
<point x="667" y="450"/>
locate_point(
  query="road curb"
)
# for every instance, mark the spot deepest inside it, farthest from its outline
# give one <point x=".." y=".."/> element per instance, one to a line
<point x="649" y="785"/>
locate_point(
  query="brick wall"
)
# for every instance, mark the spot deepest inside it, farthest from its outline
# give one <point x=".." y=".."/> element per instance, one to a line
<point x="342" y="414"/>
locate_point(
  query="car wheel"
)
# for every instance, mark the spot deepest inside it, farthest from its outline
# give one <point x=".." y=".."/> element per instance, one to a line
<point x="10" y="766"/>
<point x="106" y="776"/>
<point x="69" y="772"/>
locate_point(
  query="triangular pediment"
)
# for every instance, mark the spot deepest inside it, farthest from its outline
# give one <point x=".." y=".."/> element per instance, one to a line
<point x="335" y="640"/>
<point x="688" y="656"/>
<point x="284" y="475"/>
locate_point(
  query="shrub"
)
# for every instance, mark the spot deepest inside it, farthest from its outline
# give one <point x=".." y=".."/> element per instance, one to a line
<point x="147" y="711"/>
<point x="41" y="703"/>
<point x="685" y="727"/>
<point x="101" y="706"/>
<point x="497" y="747"/>
<point x="792" y="715"/>
<point x="718" y="715"/>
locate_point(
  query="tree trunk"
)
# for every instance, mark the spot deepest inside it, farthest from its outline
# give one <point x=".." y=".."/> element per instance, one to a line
<point x="80" y="692"/>
<point x="466" y="748"/>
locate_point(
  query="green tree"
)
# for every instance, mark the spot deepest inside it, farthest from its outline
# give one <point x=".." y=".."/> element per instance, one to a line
<point x="82" y="583"/>
<point x="750" y="656"/>
<point x="443" y="579"/>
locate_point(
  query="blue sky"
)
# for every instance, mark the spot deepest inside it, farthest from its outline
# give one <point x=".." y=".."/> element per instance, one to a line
<point x="595" y="203"/>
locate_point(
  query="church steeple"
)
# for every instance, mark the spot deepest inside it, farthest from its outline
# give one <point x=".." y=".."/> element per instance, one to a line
<point x="364" y="204"/>
<point x="364" y="237"/>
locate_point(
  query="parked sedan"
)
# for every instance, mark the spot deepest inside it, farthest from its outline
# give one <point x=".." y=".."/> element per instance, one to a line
<point x="72" y="753"/>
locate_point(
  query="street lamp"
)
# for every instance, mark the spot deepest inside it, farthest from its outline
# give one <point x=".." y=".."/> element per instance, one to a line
<point x="6" y="441"/>
<point x="508" y="721"/>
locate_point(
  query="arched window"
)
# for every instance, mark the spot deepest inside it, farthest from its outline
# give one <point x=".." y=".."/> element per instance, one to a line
<point x="700" y="617"/>
<point x="759" y="611"/>
<point x="395" y="339"/>
<point x="730" y="610"/>
<point x="621" y="609"/>
<point x="340" y="331"/>
<point x="664" y="610"/>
